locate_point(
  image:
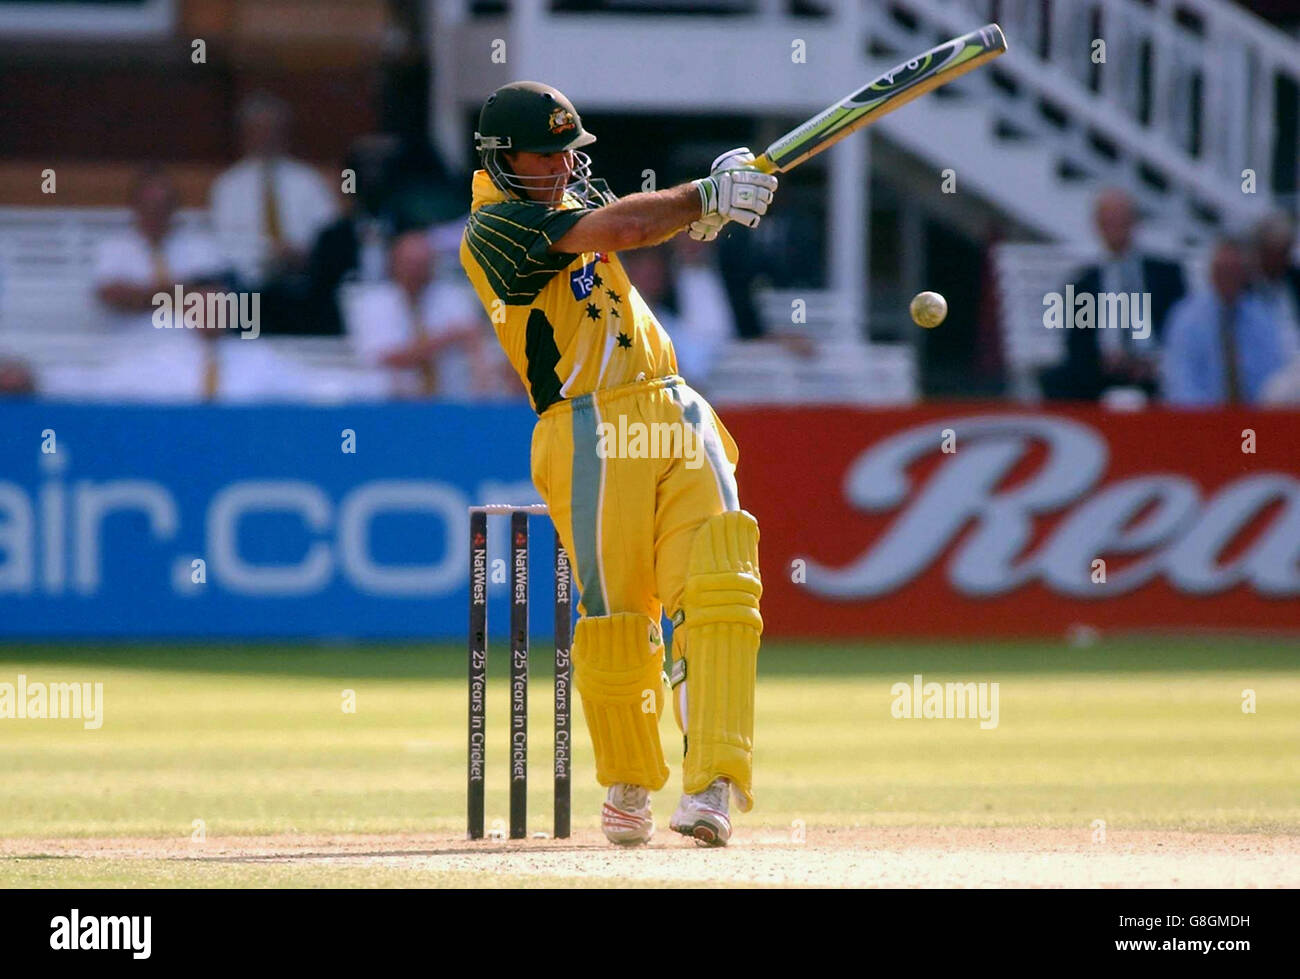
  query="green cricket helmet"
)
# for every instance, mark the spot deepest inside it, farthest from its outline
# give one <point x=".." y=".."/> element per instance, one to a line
<point x="535" y="118"/>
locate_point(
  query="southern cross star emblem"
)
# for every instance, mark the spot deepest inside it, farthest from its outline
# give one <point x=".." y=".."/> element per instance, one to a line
<point x="624" y="340"/>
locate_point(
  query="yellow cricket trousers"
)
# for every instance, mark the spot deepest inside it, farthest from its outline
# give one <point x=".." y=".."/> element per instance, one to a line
<point x="630" y="473"/>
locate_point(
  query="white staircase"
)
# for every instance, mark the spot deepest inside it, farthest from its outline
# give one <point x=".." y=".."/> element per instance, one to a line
<point x="1184" y="103"/>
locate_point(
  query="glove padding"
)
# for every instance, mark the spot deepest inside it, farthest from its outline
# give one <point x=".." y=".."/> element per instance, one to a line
<point x="741" y="156"/>
<point x="736" y="192"/>
<point x="707" y="228"/>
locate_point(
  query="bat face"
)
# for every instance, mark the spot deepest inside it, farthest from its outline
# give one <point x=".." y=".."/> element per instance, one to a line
<point x="901" y="76"/>
<point x="892" y="90"/>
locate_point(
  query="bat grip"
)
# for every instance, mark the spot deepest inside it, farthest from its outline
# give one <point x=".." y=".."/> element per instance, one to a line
<point x="764" y="163"/>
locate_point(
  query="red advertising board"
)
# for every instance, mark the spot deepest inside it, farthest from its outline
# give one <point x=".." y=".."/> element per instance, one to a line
<point x="968" y="520"/>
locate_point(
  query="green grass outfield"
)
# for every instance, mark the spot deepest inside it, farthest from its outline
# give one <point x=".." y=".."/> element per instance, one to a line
<point x="1145" y="734"/>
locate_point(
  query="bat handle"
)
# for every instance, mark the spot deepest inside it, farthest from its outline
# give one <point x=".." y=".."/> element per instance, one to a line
<point x="764" y="163"/>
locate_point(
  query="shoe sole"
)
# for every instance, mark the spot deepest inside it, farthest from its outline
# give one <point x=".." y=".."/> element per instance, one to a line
<point x="703" y="833"/>
<point x="635" y="841"/>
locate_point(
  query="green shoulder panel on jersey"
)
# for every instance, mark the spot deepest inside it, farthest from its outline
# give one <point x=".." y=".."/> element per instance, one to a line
<point x="511" y="241"/>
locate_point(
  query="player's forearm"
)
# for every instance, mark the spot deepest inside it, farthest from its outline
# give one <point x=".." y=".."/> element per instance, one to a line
<point x="666" y="213"/>
<point x="633" y="221"/>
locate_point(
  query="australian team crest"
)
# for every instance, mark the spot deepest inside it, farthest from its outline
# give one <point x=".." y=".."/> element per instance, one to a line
<point x="561" y="121"/>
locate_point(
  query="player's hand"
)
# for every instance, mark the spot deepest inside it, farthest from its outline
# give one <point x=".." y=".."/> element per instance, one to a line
<point x="707" y="228"/>
<point x="741" y="156"/>
<point x="739" y="194"/>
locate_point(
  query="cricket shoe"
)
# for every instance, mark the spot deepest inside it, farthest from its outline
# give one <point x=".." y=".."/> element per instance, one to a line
<point x="625" y="817"/>
<point x="704" y="816"/>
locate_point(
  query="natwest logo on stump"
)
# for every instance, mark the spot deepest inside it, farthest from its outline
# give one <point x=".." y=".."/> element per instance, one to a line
<point x="1008" y="533"/>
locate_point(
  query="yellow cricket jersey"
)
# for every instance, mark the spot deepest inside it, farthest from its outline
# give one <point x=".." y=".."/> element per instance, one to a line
<point x="570" y="324"/>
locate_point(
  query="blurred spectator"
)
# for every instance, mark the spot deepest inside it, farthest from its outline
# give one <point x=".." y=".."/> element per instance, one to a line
<point x="783" y="252"/>
<point x="684" y="290"/>
<point x="185" y="366"/>
<point x="446" y="245"/>
<point x="422" y="192"/>
<point x="1278" y="282"/>
<point x="647" y="270"/>
<point x="153" y="256"/>
<point x="15" y="379"/>
<point x="268" y="209"/>
<point x="1111" y="355"/>
<point x="355" y="247"/>
<point x="428" y="332"/>
<point x="704" y="312"/>
<point x="1283" y="388"/>
<point x="1222" y="345"/>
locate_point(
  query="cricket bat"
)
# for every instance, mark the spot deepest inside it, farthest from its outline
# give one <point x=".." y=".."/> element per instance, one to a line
<point x="891" y="91"/>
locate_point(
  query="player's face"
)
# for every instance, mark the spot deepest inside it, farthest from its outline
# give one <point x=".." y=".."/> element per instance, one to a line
<point x="558" y="167"/>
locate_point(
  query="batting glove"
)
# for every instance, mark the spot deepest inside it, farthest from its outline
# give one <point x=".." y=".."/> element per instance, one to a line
<point x="741" y="156"/>
<point x="735" y="191"/>
<point x="707" y="228"/>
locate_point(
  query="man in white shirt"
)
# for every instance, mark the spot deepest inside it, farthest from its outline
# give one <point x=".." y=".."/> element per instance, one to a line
<point x="1277" y="282"/>
<point x="707" y="322"/>
<point x="268" y="208"/>
<point x="428" y="333"/>
<point x="152" y="257"/>
<point x="690" y="301"/>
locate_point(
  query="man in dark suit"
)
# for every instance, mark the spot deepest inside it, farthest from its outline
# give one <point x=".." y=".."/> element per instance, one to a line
<point x="1277" y="279"/>
<point x="356" y="244"/>
<point x="1115" y="355"/>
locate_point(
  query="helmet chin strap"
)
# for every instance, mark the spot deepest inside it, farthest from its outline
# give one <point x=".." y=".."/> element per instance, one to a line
<point x="588" y="190"/>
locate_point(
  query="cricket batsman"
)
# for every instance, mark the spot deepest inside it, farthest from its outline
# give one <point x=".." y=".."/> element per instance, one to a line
<point x="646" y="532"/>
